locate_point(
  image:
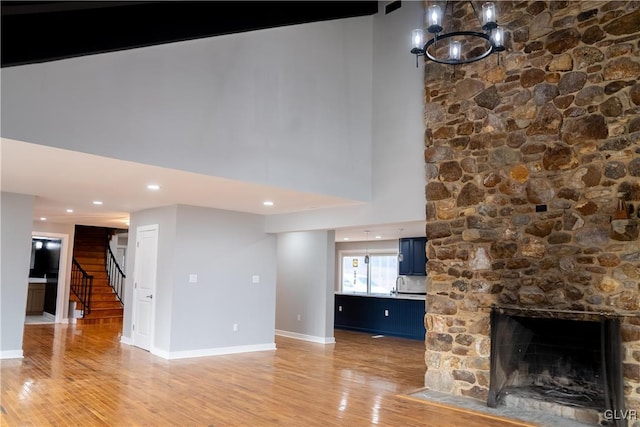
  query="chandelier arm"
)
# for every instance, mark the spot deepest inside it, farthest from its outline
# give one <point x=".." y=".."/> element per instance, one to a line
<point x="483" y="55"/>
<point x="475" y="12"/>
<point x="444" y="15"/>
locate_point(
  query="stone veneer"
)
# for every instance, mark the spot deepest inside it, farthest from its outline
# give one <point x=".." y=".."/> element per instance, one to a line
<point x="555" y="124"/>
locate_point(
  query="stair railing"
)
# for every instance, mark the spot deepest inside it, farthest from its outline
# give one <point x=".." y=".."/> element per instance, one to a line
<point x="82" y="286"/>
<point x="114" y="272"/>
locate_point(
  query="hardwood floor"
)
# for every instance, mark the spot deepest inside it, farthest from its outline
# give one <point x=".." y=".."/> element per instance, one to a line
<point x="82" y="376"/>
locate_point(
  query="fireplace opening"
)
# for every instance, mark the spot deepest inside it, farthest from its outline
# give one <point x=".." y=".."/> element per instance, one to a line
<point x="567" y="363"/>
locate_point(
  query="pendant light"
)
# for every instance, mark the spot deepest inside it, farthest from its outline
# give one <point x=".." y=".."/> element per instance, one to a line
<point x="491" y="38"/>
<point x="366" y="249"/>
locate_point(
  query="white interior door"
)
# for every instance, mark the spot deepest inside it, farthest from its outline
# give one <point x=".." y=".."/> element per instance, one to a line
<point x="144" y="286"/>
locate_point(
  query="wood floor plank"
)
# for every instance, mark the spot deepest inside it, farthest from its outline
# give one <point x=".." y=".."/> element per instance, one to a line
<point x="80" y="375"/>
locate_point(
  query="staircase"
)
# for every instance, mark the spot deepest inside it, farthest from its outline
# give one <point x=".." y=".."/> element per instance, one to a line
<point x="89" y="250"/>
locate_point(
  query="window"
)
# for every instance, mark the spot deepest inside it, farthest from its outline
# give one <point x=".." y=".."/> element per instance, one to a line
<point x="376" y="277"/>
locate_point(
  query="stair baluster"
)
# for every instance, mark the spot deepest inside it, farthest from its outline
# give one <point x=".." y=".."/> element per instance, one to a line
<point x="115" y="273"/>
<point x="81" y="285"/>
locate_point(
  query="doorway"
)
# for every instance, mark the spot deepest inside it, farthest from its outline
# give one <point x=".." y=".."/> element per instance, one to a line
<point x="47" y="293"/>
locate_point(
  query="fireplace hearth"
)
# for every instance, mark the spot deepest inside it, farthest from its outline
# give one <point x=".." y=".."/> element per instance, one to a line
<point x="569" y="367"/>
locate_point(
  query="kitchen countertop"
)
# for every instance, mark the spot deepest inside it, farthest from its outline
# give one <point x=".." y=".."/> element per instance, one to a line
<point x="37" y="280"/>
<point x="397" y="296"/>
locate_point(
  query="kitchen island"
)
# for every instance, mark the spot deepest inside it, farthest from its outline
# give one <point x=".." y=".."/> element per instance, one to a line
<point x="399" y="315"/>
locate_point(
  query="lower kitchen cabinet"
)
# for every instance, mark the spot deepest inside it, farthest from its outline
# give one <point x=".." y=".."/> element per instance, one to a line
<point x="35" y="298"/>
<point x="380" y="315"/>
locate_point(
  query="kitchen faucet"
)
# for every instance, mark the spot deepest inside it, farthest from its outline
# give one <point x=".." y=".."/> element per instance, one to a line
<point x="399" y="281"/>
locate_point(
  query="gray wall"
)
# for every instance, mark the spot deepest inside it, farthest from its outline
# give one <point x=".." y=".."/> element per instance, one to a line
<point x="261" y="106"/>
<point x="16" y="211"/>
<point x="306" y="271"/>
<point x="397" y="155"/>
<point x="225" y="249"/>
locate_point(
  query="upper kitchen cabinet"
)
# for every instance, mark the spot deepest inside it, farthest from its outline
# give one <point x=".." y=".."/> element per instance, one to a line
<point x="413" y="258"/>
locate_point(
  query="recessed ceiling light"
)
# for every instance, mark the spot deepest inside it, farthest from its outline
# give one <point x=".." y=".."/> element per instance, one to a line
<point x="346" y="238"/>
<point x="43" y="218"/>
<point x="97" y="202"/>
<point x="69" y="210"/>
<point x="154" y="187"/>
<point x="267" y="203"/>
<point x="378" y="237"/>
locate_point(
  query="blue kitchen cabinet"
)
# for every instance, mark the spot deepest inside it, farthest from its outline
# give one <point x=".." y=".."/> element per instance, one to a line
<point x="413" y="258"/>
<point x="379" y="315"/>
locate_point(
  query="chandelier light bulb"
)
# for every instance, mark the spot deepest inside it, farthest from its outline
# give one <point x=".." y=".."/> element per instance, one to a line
<point x="488" y="14"/>
<point x="489" y="18"/>
<point x="417" y="39"/>
<point x="434" y="15"/>
<point x="454" y="50"/>
<point x="434" y="19"/>
<point x="498" y="37"/>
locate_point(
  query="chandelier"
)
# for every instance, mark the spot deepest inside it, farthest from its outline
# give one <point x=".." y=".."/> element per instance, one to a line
<point x="477" y="45"/>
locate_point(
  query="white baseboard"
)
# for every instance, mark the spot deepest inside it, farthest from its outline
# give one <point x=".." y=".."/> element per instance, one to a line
<point x="303" y="337"/>
<point x="11" y="354"/>
<point x="126" y="340"/>
<point x="49" y="316"/>
<point x="170" y="355"/>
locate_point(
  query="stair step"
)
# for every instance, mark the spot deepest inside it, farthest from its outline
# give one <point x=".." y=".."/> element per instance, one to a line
<point x="105" y="312"/>
<point x="84" y="258"/>
<point x="102" y="291"/>
<point x="94" y="267"/>
<point x="99" y="290"/>
<point x="98" y="286"/>
<point x="94" y="271"/>
<point x="103" y="297"/>
<point x="112" y="302"/>
<point x="97" y="274"/>
<point x="104" y="288"/>
<point x="105" y="304"/>
<point x="89" y="244"/>
<point x="99" y="282"/>
<point x="99" y="321"/>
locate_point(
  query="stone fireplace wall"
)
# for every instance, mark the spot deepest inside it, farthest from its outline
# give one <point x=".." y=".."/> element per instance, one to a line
<point x="533" y="165"/>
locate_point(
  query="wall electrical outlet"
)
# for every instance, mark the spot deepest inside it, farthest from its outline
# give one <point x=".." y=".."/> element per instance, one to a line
<point x="386" y="313"/>
<point x="339" y="308"/>
<point x="299" y="317"/>
<point x="235" y="327"/>
<point x="255" y="279"/>
<point x="193" y="278"/>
